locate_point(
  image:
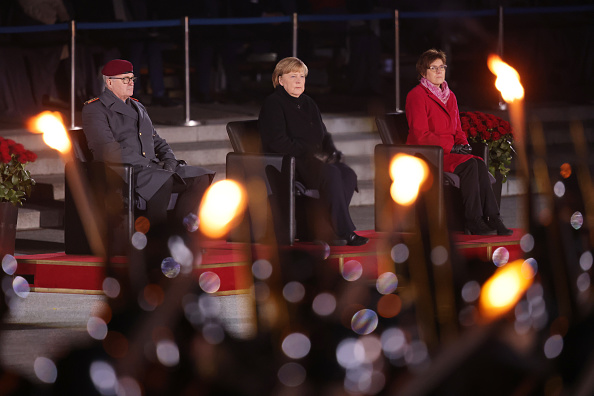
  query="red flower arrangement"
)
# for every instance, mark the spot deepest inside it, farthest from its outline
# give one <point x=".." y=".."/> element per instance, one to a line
<point x="15" y="180"/>
<point x="496" y="132"/>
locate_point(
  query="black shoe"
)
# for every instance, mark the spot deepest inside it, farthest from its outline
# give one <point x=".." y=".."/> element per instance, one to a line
<point x="356" y="240"/>
<point x="498" y="225"/>
<point x="478" y="227"/>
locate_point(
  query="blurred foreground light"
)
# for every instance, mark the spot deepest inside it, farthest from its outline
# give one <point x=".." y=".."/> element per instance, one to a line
<point x="577" y="220"/>
<point x="296" y="345"/>
<point x="408" y="174"/>
<point x="399" y="253"/>
<point x="389" y="305"/>
<point x="294" y="292"/>
<point x="170" y="267"/>
<point x="504" y="289"/>
<point x="52" y="126"/>
<point x="527" y="243"/>
<point x="127" y="386"/>
<point x="167" y="353"/>
<point x="104" y="377"/>
<point x="553" y="346"/>
<point x="46" y="370"/>
<point x="221" y="208"/>
<point x="111" y="287"/>
<point x="364" y="321"/>
<point x="565" y="170"/>
<point x="350" y="353"/>
<point x="324" y="304"/>
<point x="586" y="260"/>
<point x="262" y="269"/>
<point x="394" y="343"/>
<point x="471" y="291"/>
<point x="386" y="283"/>
<point x="9" y="264"/>
<point x="559" y="189"/>
<point x="508" y="79"/>
<point x="291" y="374"/>
<point x="500" y="256"/>
<point x="213" y="333"/>
<point x="351" y="270"/>
<point x="21" y="287"/>
<point x="97" y="328"/>
<point x="209" y="282"/>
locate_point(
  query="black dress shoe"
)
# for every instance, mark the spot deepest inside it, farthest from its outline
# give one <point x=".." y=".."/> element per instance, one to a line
<point x="478" y="227"/>
<point x="356" y="240"/>
<point x="497" y="224"/>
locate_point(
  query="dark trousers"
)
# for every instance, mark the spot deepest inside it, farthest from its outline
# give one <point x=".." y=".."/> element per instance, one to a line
<point x="337" y="186"/>
<point x="188" y="200"/>
<point x="475" y="185"/>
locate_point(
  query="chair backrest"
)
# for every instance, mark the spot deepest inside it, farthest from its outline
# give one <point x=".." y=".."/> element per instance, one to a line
<point x="80" y="147"/>
<point x="393" y="128"/>
<point x="244" y="136"/>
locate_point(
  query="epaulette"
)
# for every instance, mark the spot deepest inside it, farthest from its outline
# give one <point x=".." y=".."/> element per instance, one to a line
<point x="91" y="100"/>
<point x="135" y="99"/>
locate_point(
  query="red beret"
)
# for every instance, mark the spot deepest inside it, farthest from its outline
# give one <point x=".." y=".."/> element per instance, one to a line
<point x="117" y="66"/>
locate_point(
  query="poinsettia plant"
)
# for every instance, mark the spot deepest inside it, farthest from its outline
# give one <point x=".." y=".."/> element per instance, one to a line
<point x="15" y="181"/>
<point x="496" y="132"/>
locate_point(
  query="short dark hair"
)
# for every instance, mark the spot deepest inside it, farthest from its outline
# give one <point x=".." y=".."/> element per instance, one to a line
<point x="426" y="59"/>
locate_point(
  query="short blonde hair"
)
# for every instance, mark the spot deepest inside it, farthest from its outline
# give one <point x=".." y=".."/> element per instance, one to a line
<point x="288" y="65"/>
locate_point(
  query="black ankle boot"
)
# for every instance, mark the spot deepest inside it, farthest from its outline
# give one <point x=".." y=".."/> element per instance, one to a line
<point x="497" y="224"/>
<point x="478" y="227"/>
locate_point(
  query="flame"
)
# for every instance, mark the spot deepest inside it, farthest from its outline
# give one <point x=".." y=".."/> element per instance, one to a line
<point x="408" y="173"/>
<point x="54" y="133"/>
<point x="505" y="288"/>
<point x="508" y="79"/>
<point x="221" y="207"/>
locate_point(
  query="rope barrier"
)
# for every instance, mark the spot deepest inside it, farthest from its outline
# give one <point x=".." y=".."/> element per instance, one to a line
<point x="288" y="19"/>
<point x="293" y="19"/>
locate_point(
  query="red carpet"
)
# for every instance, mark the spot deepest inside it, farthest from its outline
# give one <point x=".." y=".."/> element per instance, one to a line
<point x="231" y="262"/>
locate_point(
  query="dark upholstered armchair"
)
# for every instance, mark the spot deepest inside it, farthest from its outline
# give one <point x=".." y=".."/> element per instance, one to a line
<point x="393" y="130"/>
<point x="255" y="170"/>
<point x="103" y="181"/>
<point x="111" y="191"/>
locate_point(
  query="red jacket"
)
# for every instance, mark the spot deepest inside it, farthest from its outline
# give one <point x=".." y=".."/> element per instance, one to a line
<point x="433" y="123"/>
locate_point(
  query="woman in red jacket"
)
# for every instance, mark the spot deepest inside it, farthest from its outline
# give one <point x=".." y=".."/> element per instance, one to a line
<point x="434" y="119"/>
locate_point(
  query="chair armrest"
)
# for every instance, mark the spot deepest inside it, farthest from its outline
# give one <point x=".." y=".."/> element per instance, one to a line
<point x="387" y="214"/>
<point x="277" y="173"/>
<point x="433" y="155"/>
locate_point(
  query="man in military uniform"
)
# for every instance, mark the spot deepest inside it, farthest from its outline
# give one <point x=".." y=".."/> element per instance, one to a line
<point x="118" y="130"/>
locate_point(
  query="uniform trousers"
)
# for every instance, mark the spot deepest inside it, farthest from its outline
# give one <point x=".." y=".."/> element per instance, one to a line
<point x="188" y="200"/>
<point x="475" y="186"/>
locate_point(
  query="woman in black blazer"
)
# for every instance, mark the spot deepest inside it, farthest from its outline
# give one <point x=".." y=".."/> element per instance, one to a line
<point x="290" y="123"/>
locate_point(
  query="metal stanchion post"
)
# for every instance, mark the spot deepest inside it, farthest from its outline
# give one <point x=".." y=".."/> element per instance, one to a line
<point x="72" y="75"/>
<point x="502" y="104"/>
<point x="295" y="34"/>
<point x="397" y="60"/>
<point x="187" y="122"/>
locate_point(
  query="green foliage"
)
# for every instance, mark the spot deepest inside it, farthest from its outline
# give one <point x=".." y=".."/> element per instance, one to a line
<point x="16" y="182"/>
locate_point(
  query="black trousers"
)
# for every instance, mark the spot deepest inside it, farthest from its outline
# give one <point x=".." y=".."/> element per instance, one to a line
<point x="477" y="194"/>
<point x="188" y="200"/>
<point x="337" y="184"/>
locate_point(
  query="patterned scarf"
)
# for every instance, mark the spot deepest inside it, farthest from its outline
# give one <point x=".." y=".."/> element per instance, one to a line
<point x="442" y="94"/>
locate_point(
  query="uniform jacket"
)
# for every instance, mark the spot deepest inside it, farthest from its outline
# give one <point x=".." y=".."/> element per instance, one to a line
<point x="120" y="132"/>
<point x="433" y="123"/>
<point x="294" y="126"/>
